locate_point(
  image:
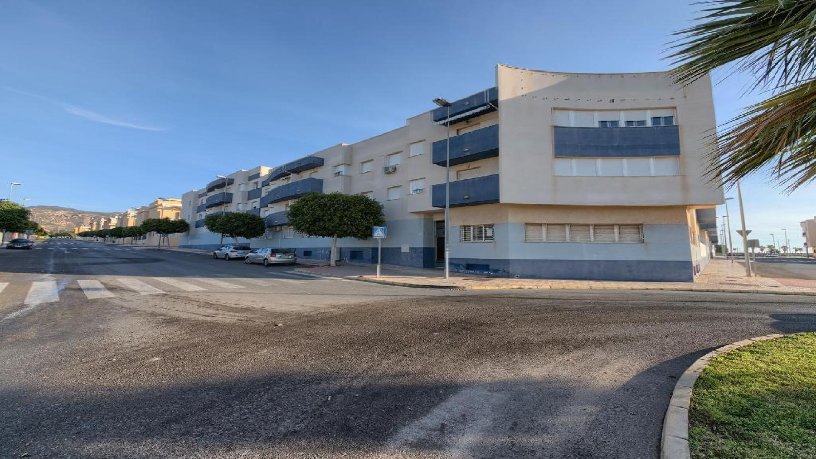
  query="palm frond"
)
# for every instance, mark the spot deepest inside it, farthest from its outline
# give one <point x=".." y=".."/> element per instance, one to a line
<point x="774" y="39"/>
<point x="780" y="132"/>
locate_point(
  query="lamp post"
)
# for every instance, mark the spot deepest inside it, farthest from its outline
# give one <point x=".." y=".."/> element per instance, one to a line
<point x="744" y="233"/>
<point x="444" y="103"/>
<point x="787" y="243"/>
<point x="773" y="239"/>
<point x="223" y="201"/>
<point x="728" y="218"/>
<point x="11" y="189"/>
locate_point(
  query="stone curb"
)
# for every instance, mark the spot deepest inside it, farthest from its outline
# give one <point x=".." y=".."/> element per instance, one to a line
<point x="674" y="440"/>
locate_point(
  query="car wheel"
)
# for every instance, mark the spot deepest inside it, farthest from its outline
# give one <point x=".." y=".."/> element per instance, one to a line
<point x="266" y="262"/>
<point x="226" y="257"/>
<point x="215" y="256"/>
<point x="246" y="261"/>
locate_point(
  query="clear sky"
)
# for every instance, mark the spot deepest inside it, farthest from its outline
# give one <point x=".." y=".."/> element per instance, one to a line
<point x="106" y="105"/>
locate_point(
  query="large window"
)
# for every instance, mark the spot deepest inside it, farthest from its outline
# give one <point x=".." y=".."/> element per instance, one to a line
<point x="614" y="118"/>
<point x="583" y="233"/>
<point x="476" y="233"/>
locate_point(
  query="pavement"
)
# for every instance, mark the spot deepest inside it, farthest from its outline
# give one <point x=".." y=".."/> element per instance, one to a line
<point x="116" y="352"/>
<point x="719" y="276"/>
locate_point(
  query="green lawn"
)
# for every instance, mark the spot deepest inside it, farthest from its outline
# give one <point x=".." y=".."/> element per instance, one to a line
<point x="757" y="402"/>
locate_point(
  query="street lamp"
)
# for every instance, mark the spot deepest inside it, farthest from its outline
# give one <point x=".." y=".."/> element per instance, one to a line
<point x="728" y="218"/>
<point x="444" y="103"/>
<point x="744" y="232"/>
<point x="11" y="188"/>
<point x="223" y="200"/>
<point x="787" y="243"/>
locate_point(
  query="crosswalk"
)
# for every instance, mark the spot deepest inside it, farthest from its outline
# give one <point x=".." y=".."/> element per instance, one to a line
<point x="48" y="290"/>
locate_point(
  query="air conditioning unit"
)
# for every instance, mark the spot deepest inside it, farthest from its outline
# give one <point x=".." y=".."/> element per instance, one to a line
<point x="390" y="169"/>
<point x="338" y="173"/>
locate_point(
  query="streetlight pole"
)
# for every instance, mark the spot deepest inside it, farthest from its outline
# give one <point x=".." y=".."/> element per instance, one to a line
<point x="11" y="189"/>
<point x="223" y="201"/>
<point x="744" y="233"/>
<point x="773" y="239"/>
<point x="787" y="243"/>
<point x="444" y="103"/>
<point x="728" y="218"/>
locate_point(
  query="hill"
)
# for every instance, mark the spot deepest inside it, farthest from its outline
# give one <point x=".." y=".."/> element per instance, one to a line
<point x="55" y="218"/>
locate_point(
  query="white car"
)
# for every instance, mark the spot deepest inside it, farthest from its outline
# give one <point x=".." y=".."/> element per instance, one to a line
<point x="231" y="252"/>
<point x="268" y="256"/>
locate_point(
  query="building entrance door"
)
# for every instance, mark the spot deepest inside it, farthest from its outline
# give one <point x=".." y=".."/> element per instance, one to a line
<point x="440" y="242"/>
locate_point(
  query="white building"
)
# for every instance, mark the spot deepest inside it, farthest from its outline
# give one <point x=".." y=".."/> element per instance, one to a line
<point x="556" y="175"/>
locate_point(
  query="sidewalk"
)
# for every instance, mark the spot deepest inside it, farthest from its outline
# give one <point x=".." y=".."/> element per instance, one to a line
<point x="719" y="276"/>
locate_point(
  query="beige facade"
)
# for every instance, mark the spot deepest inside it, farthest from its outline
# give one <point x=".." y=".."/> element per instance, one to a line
<point x="809" y="234"/>
<point x="552" y="175"/>
<point x="160" y="208"/>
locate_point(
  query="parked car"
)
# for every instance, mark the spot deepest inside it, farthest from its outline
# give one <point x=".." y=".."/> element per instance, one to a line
<point x="231" y="252"/>
<point x="20" y="244"/>
<point x="269" y="256"/>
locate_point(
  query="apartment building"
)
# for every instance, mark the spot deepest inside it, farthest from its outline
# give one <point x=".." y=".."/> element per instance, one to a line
<point x="809" y="234"/>
<point x="127" y="218"/>
<point x="554" y="175"/>
<point x="159" y="208"/>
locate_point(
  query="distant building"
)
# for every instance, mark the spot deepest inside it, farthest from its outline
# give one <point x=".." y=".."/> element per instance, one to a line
<point x="160" y="208"/>
<point x="809" y="233"/>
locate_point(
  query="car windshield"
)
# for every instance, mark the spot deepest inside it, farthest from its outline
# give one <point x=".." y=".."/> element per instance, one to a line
<point x="241" y="247"/>
<point x="19" y="240"/>
<point x="283" y="251"/>
<point x="256" y="250"/>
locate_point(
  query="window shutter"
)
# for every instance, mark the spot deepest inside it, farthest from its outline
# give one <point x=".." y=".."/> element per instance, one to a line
<point x="631" y="233"/>
<point x="534" y="232"/>
<point x="579" y="233"/>
<point x="467" y="233"/>
<point x="556" y="233"/>
<point x="604" y="233"/>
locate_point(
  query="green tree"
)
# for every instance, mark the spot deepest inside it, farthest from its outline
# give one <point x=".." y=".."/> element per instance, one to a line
<point x="13" y="218"/>
<point x="117" y="233"/>
<point x="773" y="39"/>
<point x="335" y="215"/>
<point x="133" y="232"/>
<point x="164" y="227"/>
<point x="235" y="225"/>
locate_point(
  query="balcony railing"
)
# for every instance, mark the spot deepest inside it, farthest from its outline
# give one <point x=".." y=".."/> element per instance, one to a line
<point x="293" y="190"/>
<point x="219" y="183"/>
<point x="470" y="107"/>
<point x="617" y="141"/>
<point x="254" y="194"/>
<point x="480" y="144"/>
<point x="199" y="223"/>
<point x="218" y="200"/>
<point x="201" y="208"/>
<point x="277" y="219"/>
<point x="470" y="192"/>
<point x="707" y="218"/>
<point x="256" y="212"/>
<point x="293" y="167"/>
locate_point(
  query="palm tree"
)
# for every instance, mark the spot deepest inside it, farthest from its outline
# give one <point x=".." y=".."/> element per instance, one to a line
<point x="775" y="40"/>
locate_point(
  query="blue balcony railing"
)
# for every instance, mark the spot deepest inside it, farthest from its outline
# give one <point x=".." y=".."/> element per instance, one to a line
<point x="254" y="176"/>
<point x="219" y="183"/>
<point x="218" y="199"/>
<point x="616" y="141"/>
<point x="470" y="192"/>
<point x="254" y="194"/>
<point x="293" y="167"/>
<point x="472" y="106"/>
<point x="277" y="219"/>
<point x="473" y="146"/>
<point x="199" y="223"/>
<point x="201" y="208"/>
<point x="256" y="212"/>
<point x="293" y="190"/>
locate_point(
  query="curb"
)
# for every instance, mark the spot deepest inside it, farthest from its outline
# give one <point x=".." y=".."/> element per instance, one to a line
<point x="674" y="440"/>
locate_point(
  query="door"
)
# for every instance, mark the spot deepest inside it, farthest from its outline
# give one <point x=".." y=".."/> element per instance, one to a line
<point x="440" y="241"/>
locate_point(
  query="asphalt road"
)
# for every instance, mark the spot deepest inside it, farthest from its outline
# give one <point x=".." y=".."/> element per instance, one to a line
<point x="206" y="358"/>
<point x="787" y="267"/>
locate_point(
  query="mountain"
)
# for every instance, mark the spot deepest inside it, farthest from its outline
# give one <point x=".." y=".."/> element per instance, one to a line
<point x="55" y="218"/>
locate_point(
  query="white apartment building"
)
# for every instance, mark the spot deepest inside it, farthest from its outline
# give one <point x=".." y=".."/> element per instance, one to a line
<point x="809" y="234"/>
<point x="554" y="175"/>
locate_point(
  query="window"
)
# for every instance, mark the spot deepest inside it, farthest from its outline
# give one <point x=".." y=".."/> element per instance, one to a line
<point x="416" y="186"/>
<point x="636" y="123"/>
<point x="394" y="193"/>
<point x="611" y="167"/>
<point x="585" y="167"/>
<point x="608" y="124"/>
<point x="416" y="148"/>
<point x="476" y="233"/>
<point x="666" y="165"/>
<point x="340" y="169"/>
<point x="583" y="233"/>
<point x="636" y="167"/>
<point x="392" y="159"/>
<point x="465" y="174"/>
<point x="366" y="166"/>
<point x="662" y="121"/>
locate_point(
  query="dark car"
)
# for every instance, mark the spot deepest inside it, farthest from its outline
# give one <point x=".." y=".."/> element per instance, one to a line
<point x="20" y="244"/>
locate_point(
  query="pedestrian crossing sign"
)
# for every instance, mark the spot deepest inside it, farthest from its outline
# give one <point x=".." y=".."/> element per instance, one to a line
<point x="379" y="232"/>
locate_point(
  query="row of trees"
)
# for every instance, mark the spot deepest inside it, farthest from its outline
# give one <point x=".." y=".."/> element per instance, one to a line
<point x="164" y="227"/>
<point x="15" y="218"/>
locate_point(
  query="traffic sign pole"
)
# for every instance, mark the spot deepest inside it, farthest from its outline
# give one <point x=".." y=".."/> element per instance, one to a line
<point x="379" y="256"/>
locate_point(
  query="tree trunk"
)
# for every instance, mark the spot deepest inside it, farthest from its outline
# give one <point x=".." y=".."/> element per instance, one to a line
<point x="333" y="255"/>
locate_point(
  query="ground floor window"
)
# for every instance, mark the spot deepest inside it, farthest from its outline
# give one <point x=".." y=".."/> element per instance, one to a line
<point x="476" y="233"/>
<point x="583" y="233"/>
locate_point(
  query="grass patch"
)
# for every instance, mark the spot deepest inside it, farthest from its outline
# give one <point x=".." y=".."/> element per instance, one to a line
<point x="758" y="401"/>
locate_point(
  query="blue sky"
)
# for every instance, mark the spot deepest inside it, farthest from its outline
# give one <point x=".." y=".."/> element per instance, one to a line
<point x="106" y="105"/>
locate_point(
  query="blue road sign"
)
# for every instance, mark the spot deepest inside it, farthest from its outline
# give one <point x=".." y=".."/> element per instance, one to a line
<point x="379" y="232"/>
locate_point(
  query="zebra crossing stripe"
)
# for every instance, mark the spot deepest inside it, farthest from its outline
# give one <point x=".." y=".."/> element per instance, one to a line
<point x="3" y="286"/>
<point x="186" y="286"/>
<point x="42" y="292"/>
<point x="218" y="283"/>
<point x="94" y="289"/>
<point x="139" y="286"/>
<point x="259" y="282"/>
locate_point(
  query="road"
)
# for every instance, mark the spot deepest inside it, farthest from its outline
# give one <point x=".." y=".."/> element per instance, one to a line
<point x="269" y="363"/>
<point x="789" y="271"/>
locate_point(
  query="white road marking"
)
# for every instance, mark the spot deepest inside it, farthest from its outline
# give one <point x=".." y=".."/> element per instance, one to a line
<point x="139" y="286"/>
<point x="261" y="282"/>
<point x="42" y="292"/>
<point x="219" y="283"/>
<point x="94" y="289"/>
<point x="3" y="286"/>
<point x="186" y="286"/>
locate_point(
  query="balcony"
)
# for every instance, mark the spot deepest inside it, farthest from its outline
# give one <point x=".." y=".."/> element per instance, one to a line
<point x="707" y="218"/>
<point x="199" y="223"/>
<point x="218" y="199"/>
<point x="201" y="208"/>
<point x="470" y="192"/>
<point x="219" y="183"/>
<point x="256" y="212"/>
<point x="617" y="141"/>
<point x="253" y="194"/>
<point x="254" y="176"/>
<point x="277" y="219"/>
<point x="294" y="167"/>
<point x="293" y="190"/>
<point x="473" y="146"/>
<point x="470" y="107"/>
